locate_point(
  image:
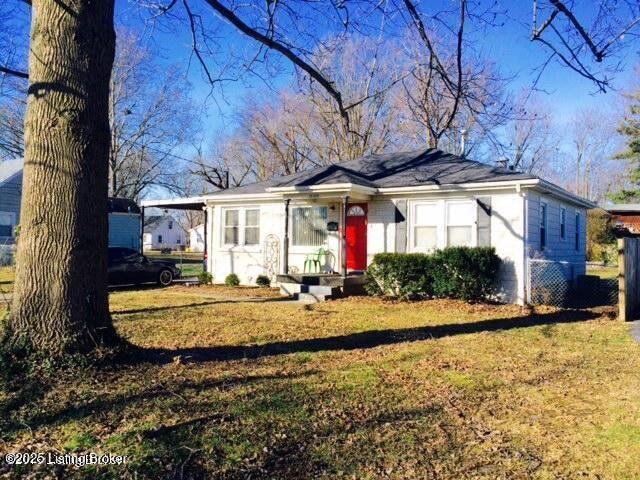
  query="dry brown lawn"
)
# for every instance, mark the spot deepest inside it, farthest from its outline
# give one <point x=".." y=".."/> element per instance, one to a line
<point x="236" y="384"/>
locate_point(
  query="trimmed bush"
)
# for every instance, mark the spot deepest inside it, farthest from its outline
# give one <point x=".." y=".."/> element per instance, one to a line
<point x="263" y="281"/>
<point x="232" y="280"/>
<point x="455" y="272"/>
<point x="406" y="276"/>
<point x="205" y="278"/>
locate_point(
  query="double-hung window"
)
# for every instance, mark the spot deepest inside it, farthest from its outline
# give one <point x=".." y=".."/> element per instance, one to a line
<point x="563" y="223"/>
<point x="460" y="223"/>
<point x="309" y="226"/>
<point x="241" y="226"/>
<point x="543" y="225"/>
<point x="252" y="226"/>
<point x="425" y="226"/>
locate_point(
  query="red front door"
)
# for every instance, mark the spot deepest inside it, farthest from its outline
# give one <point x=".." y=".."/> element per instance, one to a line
<point x="356" y="236"/>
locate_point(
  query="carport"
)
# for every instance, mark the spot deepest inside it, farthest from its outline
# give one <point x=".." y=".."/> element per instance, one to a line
<point x="190" y="203"/>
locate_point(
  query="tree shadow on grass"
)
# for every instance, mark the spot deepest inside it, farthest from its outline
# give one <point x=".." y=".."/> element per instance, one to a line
<point x="354" y="341"/>
<point x="102" y="405"/>
<point x="199" y="304"/>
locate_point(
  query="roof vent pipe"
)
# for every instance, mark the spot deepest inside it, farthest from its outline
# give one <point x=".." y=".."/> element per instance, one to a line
<point x="463" y="138"/>
<point x="503" y="162"/>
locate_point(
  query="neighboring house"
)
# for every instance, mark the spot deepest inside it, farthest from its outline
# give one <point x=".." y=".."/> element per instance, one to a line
<point x="124" y="223"/>
<point x="403" y="202"/>
<point x="124" y="214"/>
<point x="162" y="231"/>
<point x="196" y="238"/>
<point x="10" y="194"/>
<point x="626" y="217"/>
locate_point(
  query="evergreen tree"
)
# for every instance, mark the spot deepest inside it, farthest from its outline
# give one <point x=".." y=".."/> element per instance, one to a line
<point x="630" y="128"/>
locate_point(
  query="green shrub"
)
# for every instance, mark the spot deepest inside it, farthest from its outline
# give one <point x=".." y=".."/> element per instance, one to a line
<point x="465" y="273"/>
<point x="263" y="281"/>
<point x="455" y="272"/>
<point x="232" y="280"/>
<point x="205" y="278"/>
<point x="401" y="275"/>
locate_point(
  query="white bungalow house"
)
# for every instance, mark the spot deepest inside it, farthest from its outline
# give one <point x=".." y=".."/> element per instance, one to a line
<point x="414" y="201"/>
<point x="162" y="231"/>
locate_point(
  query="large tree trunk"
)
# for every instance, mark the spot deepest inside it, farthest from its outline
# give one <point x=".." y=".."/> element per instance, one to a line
<point x="60" y="300"/>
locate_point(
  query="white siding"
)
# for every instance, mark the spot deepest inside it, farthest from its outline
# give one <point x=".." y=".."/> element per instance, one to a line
<point x="507" y="237"/>
<point x="381" y="229"/>
<point x="507" y="231"/>
<point x="514" y="235"/>
<point x="248" y="261"/>
<point x="556" y="248"/>
<point x="171" y="237"/>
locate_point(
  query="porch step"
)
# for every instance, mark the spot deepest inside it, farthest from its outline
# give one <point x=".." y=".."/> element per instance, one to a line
<point x="323" y="292"/>
<point x="311" y="297"/>
<point x="320" y="287"/>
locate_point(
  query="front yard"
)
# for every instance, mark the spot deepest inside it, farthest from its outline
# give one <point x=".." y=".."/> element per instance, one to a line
<point x="237" y="384"/>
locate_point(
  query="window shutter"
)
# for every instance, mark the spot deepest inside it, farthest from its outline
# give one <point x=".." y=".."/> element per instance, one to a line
<point x="484" y="221"/>
<point x="401" y="226"/>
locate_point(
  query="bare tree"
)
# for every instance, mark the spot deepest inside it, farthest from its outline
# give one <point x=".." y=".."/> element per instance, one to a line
<point x="589" y="46"/>
<point x="530" y="141"/>
<point x="593" y="139"/>
<point x="150" y="115"/>
<point x="12" y="128"/>
<point x="301" y="126"/>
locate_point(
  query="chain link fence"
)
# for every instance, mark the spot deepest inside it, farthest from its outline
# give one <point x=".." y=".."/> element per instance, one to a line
<point x="557" y="283"/>
<point x="550" y="282"/>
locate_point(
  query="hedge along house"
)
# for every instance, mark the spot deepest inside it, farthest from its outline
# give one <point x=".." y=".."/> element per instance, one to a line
<point x="325" y="225"/>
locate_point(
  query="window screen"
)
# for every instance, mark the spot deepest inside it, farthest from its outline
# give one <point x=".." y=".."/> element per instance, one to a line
<point x="425" y="226"/>
<point x="460" y="218"/>
<point x="231" y="227"/>
<point x="309" y="226"/>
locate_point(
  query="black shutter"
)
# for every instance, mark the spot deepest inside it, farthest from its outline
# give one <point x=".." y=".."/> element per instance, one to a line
<point x="484" y="221"/>
<point x="401" y="226"/>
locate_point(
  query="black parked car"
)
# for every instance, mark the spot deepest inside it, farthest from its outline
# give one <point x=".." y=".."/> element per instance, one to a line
<point x="128" y="267"/>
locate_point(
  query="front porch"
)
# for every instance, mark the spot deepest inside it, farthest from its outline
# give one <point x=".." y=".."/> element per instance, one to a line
<point x="321" y="286"/>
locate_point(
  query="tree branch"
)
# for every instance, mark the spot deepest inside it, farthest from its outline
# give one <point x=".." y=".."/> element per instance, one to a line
<point x="251" y="32"/>
<point x="13" y="73"/>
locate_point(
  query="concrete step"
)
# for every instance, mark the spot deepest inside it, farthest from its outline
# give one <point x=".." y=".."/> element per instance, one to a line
<point x="318" y="290"/>
<point x="311" y="297"/>
<point x="321" y="290"/>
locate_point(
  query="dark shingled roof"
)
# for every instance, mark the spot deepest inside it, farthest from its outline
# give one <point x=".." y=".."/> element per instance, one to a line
<point x="402" y="169"/>
<point x="122" y="205"/>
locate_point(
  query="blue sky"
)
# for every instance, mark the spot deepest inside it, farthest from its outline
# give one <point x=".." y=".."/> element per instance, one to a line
<point x="508" y="46"/>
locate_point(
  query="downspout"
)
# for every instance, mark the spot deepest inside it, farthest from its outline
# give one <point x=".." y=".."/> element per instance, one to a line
<point x="205" y="260"/>
<point x="525" y="237"/>
<point x="343" y="239"/>
<point x="141" y="230"/>
<point x="285" y="246"/>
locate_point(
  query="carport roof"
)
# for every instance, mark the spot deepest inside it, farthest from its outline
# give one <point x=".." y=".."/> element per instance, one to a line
<point x="189" y="203"/>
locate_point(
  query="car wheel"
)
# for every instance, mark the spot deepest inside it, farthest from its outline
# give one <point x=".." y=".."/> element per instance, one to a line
<point x="165" y="278"/>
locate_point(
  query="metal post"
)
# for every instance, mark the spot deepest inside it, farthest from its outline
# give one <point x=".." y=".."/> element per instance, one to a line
<point x="206" y="231"/>
<point x="343" y="237"/>
<point x="141" y="230"/>
<point x="285" y="245"/>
